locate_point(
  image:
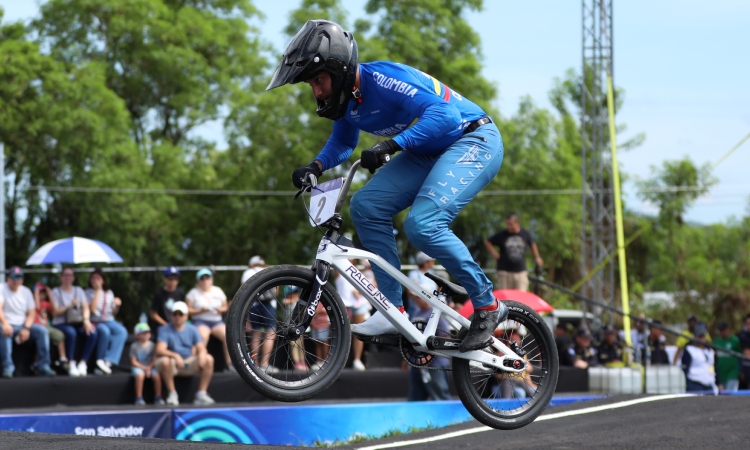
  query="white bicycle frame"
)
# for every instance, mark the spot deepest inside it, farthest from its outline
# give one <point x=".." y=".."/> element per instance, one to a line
<point x="338" y="256"/>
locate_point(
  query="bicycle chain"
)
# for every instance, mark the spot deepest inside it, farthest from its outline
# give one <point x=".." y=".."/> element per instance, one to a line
<point x="420" y="324"/>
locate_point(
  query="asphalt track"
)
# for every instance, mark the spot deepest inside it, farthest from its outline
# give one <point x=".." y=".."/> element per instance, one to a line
<point x="683" y="423"/>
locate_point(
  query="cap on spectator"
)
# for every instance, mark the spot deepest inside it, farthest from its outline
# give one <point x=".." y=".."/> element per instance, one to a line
<point x="722" y="326"/>
<point x="290" y="290"/>
<point x="171" y="270"/>
<point x="181" y="307"/>
<point x="203" y="272"/>
<point x="141" y="327"/>
<point x="583" y="332"/>
<point x="609" y="329"/>
<point x="700" y="329"/>
<point x="692" y="317"/>
<point x="255" y="260"/>
<point x="656" y="322"/>
<point x="422" y="258"/>
<point x="15" y="273"/>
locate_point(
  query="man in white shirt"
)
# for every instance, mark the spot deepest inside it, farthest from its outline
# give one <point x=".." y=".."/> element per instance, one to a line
<point x="17" y="313"/>
<point x="256" y="264"/>
<point x="424" y="264"/>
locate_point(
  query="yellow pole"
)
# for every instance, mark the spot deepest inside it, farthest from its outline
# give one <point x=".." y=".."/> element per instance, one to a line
<point x="618" y="213"/>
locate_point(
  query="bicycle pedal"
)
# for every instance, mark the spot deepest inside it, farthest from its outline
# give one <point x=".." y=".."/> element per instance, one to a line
<point x="387" y="340"/>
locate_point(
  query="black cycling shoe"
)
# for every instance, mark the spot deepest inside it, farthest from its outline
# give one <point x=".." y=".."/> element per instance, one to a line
<point x="483" y="327"/>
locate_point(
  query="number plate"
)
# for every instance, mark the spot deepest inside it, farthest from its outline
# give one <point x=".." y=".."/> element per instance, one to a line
<point x="323" y="200"/>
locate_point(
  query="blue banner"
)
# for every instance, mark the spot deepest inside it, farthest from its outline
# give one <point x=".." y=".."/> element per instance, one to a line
<point x="116" y="424"/>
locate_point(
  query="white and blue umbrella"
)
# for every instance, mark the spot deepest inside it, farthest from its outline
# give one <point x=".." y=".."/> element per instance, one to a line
<point x="74" y="250"/>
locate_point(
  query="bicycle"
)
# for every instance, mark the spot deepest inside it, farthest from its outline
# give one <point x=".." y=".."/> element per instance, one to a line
<point x="490" y="382"/>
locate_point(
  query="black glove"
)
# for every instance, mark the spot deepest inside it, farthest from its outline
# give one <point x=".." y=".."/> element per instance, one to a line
<point x="372" y="158"/>
<point x="299" y="175"/>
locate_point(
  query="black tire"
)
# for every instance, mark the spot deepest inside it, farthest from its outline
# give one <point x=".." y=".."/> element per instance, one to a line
<point x="480" y="388"/>
<point x="281" y="380"/>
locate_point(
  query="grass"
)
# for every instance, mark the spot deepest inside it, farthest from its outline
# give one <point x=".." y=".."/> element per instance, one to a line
<point x="361" y="437"/>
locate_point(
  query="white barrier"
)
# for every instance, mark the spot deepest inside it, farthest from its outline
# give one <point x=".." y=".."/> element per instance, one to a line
<point x="625" y="380"/>
<point x="665" y="380"/>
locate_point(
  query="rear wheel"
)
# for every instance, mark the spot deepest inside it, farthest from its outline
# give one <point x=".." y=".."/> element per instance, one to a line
<point x="264" y="348"/>
<point x="505" y="400"/>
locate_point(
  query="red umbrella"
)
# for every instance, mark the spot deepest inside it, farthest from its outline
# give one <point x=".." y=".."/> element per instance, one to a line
<point x="527" y="298"/>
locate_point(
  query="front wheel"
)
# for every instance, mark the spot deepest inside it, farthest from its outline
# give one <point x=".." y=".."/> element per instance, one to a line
<point x="262" y="342"/>
<point x="506" y="400"/>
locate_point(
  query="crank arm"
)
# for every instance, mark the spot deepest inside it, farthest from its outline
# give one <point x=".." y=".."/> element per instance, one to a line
<point x="505" y="363"/>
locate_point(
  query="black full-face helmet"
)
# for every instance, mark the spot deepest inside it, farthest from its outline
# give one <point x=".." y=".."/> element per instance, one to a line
<point x="321" y="45"/>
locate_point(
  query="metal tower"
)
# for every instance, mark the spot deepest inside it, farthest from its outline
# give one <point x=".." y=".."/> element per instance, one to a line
<point x="598" y="232"/>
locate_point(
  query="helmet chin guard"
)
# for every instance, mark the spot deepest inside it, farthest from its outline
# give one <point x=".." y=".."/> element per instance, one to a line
<point x="321" y="45"/>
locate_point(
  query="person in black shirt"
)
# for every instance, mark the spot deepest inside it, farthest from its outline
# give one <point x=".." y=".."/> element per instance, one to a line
<point x="164" y="298"/>
<point x="564" y="345"/>
<point x="609" y="351"/>
<point x="585" y="354"/>
<point x="511" y="261"/>
<point x="657" y="345"/>
<point x="744" y="337"/>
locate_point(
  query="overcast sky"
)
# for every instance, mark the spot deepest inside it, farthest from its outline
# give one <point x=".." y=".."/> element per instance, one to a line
<point x="683" y="64"/>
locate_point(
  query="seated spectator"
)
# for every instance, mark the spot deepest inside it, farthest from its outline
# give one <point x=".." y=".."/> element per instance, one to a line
<point x="17" y="314"/>
<point x="297" y="346"/>
<point x="112" y="334"/>
<point x="727" y="366"/>
<point x="206" y="304"/>
<point x="609" y="351"/>
<point x="514" y="385"/>
<point x="42" y="302"/>
<point x="698" y="362"/>
<point x="164" y="298"/>
<point x="657" y="345"/>
<point x="585" y="355"/>
<point x="685" y="337"/>
<point x="565" y="347"/>
<point x="182" y="353"/>
<point x="72" y="317"/>
<point x="255" y="265"/>
<point x="429" y="384"/>
<point x="744" y="338"/>
<point x="143" y="360"/>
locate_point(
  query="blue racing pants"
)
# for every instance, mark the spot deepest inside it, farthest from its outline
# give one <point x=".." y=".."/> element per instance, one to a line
<point x="437" y="187"/>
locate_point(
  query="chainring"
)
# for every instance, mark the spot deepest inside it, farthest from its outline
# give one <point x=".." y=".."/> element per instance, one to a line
<point x="412" y="357"/>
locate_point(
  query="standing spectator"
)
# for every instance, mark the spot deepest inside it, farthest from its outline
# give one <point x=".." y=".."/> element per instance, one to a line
<point x="516" y="385"/>
<point x="685" y="337"/>
<point x="744" y="338"/>
<point x="424" y="265"/>
<point x="609" y="351"/>
<point x="358" y="309"/>
<point x="17" y="314"/>
<point x="511" y="261"/>
<point x="657" y="345"/>
<point x="565" y="348"/>
<point x="182" y="353"/>
<point x="166" y="296"/>
<point x="256" y="264"/>
<point x="585" y="353"/>
<point x="727" y="366"/>
<point x="112" y="334"/>
<point x="42" y="302"/>
<point x="206" y="304"/>
<point x="698" y="362"/>
<point x="143" y="360"/>
<point x="72" y="317"/>
<point x="639" y="339"/>
<point x="427" y="383"/>
<point x="320" y="333"/>
<point x="296" y="346"/>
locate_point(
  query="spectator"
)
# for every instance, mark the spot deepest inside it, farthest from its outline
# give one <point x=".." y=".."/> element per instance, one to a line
<point x="71" y="316"/>
<point x="639" y="339"/>
<point x="206" y="304"/>
<point x="112" y="334"/>
<point x="565" y="347"/>
<point x="428" y="383"/>
<point x="514" y="385"/>
<point x="744" y="338"/>
<point x="424" y="265"/>
<point x="17" y="314"/>
<point x="358" y="308"/>
<point x="727" y="366"/>
<point x="256" y="264"/>
<point x="511" y="261"/>
<point x="685" y="337"/>
<point x="585" y="355"/>
<point x="609" y="351"/>
<point x="182" y="353"/>
<point x="698" y="362"/>
<point x="657" y="345"/>
<point x="42" y="302"/>
<point x="164" y="298"/>
<point x="296" y="346"/>
<point x="143" y="360"/>
<point x="320" y="333"/>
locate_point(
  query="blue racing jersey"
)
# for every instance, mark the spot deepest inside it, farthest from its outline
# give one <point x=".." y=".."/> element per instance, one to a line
<point x="419" y="112"/>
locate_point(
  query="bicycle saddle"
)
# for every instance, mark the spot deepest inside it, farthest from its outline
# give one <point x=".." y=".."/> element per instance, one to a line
<point x="446" y="286"/>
